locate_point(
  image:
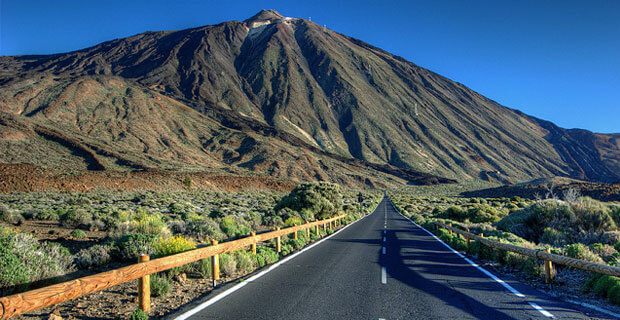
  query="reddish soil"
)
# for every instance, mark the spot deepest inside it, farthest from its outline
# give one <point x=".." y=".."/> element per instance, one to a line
<point x="29" y="178"/>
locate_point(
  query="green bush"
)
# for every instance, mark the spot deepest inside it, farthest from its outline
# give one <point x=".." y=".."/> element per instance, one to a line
<point x="204" y="268"/>
<point x="131" y="246"/>
<point x="228" y="264"/>
<point x="232" y="229"/>
<point x="12" y="217"/>
<point x="76" y="218"/>
<point x="267" y="255"/>
<point x="323" y="199"/>
<point x="78" y="234"/>
<point x="293" y="221"/>
<point x="286" y="249"/>
<point x="152" y="224"/>
<point x="24" y="260"/>
<point x="160" y="285"/>
<point x="580" y="251"/>
<point x="245" y="261"/>
<point x="138" y="314"/>
<point x="94" y="256"/>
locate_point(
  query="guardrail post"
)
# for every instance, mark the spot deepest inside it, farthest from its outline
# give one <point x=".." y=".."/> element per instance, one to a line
<point x="278" y="242"/>
<point x="144" y="288"/>
<point x="253" y="242"/>
<point x="467" y="238"/>
<point x="548" y="269"/>
<point x="215" y="265"/>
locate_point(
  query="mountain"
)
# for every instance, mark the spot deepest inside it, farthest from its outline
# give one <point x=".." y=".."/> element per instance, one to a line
<point x="278" y="96"/>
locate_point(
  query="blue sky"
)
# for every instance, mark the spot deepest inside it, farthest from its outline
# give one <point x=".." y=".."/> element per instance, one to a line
<point x="556" y="60"/>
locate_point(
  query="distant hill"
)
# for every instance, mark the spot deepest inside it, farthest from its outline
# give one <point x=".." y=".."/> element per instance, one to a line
<point x="278" y="96"/>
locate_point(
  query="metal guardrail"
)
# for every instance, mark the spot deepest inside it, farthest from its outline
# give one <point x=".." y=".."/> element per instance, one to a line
<point x="20" y="303"/>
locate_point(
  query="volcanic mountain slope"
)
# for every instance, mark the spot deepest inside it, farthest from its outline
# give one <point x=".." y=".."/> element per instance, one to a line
<point x="303" y="85"/>
<point x="108" y="123"/>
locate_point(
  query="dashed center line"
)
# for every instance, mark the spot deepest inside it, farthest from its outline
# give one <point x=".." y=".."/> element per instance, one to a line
<point x="383" y="239"/>
<point x="383" y="250"/>
<point x="383" y="276"/>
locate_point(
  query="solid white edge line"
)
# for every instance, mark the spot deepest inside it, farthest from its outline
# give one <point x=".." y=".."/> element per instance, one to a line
<point x="541" y="310"/>
<point x="240" y="285"/>
<point x="593" y="307"/>
<point x="383" y="275"/>
<point x="490" y="275"/>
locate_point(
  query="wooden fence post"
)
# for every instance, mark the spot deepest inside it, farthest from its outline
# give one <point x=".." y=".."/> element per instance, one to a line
<point x="278" y="242"/>
<point x="467" y="238"/>
<point x="308" y="233"/>
<point x="253" y="242"/>
<point x="215" y="266"/>
<point x="324" y="226"/>
<point x="450" y="228"/>
<point x="316" y="229"/>
<point x="295" y="236"/>
<point x="548" y="269"/>
<point x="144" y="288"/>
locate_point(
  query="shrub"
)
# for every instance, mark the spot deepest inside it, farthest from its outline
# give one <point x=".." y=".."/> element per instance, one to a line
<point x="139" y="314"/>
<point x="23" y="260"/>
<point x="172" y="245"/>
<point x="293" y="221"/>
<point x="295" y="244"/>
<point x="286" y="249"/>
<point x="228" y="265"/>
<point x="202" y="228"/>
<point x="152" y="224"/>
<point x="203" y="267"/>
<point x="245" y="262"/>
<point x="553" y="237"/>
<point x="131" y="246"/>
<point x="580" y="251"/>
<point x="232" y="229"/>
<point x="160" y="285"/>
<point x="323" y="199"/>
<point x="78" y="234"/>
<point x="94" y="256"/>
<point x="12" y="217"/>
<point x="76" y="218"/>
<point x="265" y="256"/>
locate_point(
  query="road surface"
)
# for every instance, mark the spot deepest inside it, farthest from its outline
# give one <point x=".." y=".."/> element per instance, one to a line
<point x="381" y="267"/>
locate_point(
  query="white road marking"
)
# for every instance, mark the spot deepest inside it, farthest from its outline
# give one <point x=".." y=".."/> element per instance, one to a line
<point x="383" y="239"/>
<point x="383" y="250"/>
<point x="490" y="275"/>
<point x="240" y="285"/>
<point x="384" y="232"/>
<point x="541" y="310"/>
<point x="383" y="276"/>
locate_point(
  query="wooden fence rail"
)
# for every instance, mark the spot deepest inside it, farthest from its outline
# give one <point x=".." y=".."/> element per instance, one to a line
<point x="539" y="254"/>
<point x="20" y="303"/>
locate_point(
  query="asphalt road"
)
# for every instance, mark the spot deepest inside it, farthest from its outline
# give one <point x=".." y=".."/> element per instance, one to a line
<point x="348" y="276"/>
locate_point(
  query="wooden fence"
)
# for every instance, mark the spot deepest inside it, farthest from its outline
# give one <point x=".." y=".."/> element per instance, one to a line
<point x="538" y="254"/>
<point x="20" y="303"/>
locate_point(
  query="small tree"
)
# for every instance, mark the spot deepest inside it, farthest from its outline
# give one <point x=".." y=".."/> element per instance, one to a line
<point x="323" y="199"/>
<point x="187" y="182"/>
